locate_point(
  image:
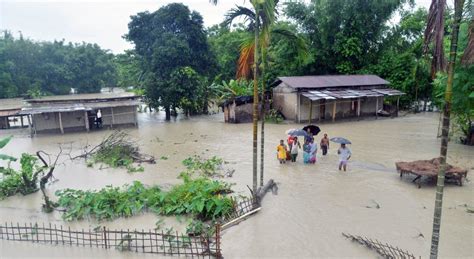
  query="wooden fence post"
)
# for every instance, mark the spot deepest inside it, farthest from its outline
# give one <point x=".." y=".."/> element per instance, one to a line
<point x="218" y="241"/>
<point x="105" y="237"/>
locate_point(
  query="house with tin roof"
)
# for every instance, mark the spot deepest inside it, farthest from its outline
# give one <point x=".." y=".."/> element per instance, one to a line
<point x="331" y="97"/>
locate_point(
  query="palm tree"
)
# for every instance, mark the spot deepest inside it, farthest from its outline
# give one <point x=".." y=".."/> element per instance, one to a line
<point x="263" y="21"/>
<point x="260" y="17"/>
<point x="434" y="33"/>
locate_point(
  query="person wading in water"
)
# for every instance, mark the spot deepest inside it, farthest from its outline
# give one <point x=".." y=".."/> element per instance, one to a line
<point x="324" y="144"/>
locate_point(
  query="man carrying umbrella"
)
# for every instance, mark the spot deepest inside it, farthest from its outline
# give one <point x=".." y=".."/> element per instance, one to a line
<point x="343" y="152"/>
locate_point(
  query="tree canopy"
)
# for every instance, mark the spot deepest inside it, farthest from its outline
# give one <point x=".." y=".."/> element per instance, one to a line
<point x="29" y="68"/>
<point x="168" y="40"/>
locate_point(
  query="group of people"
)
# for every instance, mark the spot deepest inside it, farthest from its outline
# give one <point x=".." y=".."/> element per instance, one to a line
<point x="310" y="148"/>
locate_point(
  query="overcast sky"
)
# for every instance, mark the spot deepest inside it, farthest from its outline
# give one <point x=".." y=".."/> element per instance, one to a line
<point x="99" y="21"/>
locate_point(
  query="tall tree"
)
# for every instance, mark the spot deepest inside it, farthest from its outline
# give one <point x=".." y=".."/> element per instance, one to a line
<point x="434" y="33"/>
<point x="265" y="22"/>
<point x="168" y="39"/>
<point x="345" y="35"/>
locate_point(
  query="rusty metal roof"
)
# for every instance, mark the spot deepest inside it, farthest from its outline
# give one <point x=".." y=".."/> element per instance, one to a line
<point x="329" y="81"/>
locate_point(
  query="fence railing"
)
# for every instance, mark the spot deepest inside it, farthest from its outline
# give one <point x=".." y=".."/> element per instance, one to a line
<point x="385" y="250"/>
<point x="140" y="241"/>
<point x="151" y="241"/>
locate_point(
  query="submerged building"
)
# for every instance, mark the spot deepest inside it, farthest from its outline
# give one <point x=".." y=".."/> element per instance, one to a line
<point x="80" y="112"/>
<point x="319" y="98"/>
<point x="10" y="113"/>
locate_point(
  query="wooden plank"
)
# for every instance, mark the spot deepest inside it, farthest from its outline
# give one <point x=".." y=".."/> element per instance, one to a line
<point x="61" y="123"/>
<point x="86" y="118"/>
<point x="376" y="107"/>
<point x="358" y="107"/>
<point x="310" y="110"/>
<point x="113" y="119"/>
<point x="334" y="112"/>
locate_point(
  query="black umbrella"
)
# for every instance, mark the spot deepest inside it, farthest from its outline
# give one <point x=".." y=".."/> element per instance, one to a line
<point x="341" y="140"/>
<point x="313" y="129"/>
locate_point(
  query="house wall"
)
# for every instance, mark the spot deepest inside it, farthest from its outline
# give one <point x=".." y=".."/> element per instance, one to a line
<point x="285" y="99"/>
<point x="369" y="105"/>
<point x="243" y="113"/>
<point x="344" y="108"/>
<point x="122" y="115"/>
<point x="49" y="122"/>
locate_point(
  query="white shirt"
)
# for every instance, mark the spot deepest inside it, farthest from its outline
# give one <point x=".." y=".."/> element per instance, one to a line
<point x="344" y="154"/>
<point x="294" y="148"/>
<point x="99" y="114"/>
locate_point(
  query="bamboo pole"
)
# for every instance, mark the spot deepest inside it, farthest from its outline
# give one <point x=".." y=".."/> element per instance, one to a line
<point x="458" y="6"/>
<point x="255" y="102"/>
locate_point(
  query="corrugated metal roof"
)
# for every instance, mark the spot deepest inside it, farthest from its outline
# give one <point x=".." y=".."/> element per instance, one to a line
<point x="77" y="107"/>
<point x="83" y="97"/>
<point x="11" y="104"/>
<point x="332" y="81"/>
<point x="349" y="94"/>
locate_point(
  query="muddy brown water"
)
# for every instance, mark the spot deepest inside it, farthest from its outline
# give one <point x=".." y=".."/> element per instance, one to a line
<point x="314" y="204"/>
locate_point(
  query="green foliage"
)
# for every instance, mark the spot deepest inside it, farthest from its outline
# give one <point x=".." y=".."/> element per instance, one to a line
<point x="203" y="167"/>
<point x="129" y="72"/>
<point x="274" y="116"/>
<point x="167" y="41"/>
<point x="190" y="87"/>
<point x="344" y="35"/>
<point x="202" y="198"/>
<point x="107" y="203"/>
<point x="3" y="143"/>
<point x="462" y="106"/>
<point x="225" y="45"/>
<point x="29" y="68"/>
<point x="25" y="181"/>
<point x="116" y="156"/>
<point x="231" y="89"/>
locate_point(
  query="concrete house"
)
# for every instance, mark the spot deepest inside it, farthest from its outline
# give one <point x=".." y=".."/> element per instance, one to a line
<point x="318" y="98"/>
<point x="78" y="112"/>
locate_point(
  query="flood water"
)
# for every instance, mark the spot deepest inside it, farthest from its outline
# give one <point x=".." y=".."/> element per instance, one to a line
<point x="314" y="204"/>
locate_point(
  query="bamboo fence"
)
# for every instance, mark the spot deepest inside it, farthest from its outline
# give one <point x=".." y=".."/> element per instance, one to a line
<point x="385" y="250"/>
<point x="140" y="241"/>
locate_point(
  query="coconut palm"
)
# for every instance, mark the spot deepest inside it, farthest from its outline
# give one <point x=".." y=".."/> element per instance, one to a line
<point x="262" y="24"/>
<point x="434" y="34"/>
<point x="261" y="16"/>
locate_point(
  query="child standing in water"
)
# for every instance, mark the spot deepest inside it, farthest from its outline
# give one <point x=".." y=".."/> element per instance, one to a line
<point x="344" y="155"/>
<point x="281" y="152"/>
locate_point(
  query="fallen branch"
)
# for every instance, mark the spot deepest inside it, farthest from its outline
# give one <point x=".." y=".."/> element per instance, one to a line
<point x="270" y="185"/>
<point x="117" y="150"/>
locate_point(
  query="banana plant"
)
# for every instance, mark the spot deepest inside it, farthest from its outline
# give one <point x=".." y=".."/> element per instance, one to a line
<point x="3" y="143"/>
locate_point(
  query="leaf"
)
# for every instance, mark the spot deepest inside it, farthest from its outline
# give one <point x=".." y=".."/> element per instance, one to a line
<point x="4" y="141"/>
<point x="7" y="157"/>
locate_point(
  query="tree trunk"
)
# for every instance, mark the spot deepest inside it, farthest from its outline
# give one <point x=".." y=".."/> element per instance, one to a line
<point x="262" y="117"/>
<point x="168" y="113"/>
<point x="458" y="6"/>
<point x="255" y="102"/>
